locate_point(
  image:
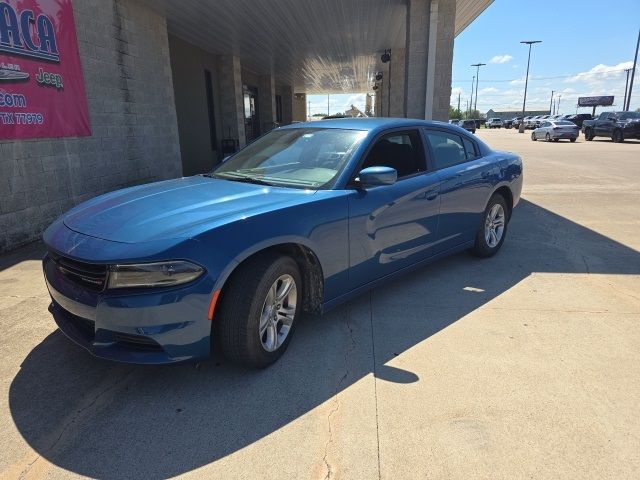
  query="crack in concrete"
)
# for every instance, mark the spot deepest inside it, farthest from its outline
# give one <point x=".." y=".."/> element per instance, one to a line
<point x="375" y="379"/>
<point x="327" y="465"/>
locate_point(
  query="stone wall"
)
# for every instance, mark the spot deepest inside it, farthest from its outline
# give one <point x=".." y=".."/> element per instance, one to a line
<point x="124" y="53"/>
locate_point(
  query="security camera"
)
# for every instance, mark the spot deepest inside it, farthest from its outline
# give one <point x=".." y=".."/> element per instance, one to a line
<point x="386" y="56"/>
<point x="378" y="76"/>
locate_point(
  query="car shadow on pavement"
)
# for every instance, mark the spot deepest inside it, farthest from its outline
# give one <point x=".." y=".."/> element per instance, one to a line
<point x="106" y="420"/>
<point x="33" y="251"/>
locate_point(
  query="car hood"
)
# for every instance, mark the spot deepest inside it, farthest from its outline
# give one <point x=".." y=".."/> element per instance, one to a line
<point x="178" y="208"/>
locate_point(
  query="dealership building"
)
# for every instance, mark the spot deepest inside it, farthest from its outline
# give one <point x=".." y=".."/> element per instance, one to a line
<point x="133" y="91"/>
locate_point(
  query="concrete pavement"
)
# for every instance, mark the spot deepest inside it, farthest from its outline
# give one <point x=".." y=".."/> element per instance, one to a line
<point x="521" y="366"/>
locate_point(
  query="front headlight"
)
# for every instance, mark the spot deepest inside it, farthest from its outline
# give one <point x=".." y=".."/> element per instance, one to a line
<point x="160" y="274"/>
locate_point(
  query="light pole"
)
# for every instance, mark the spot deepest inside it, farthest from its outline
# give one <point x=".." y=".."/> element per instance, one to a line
<point x="551" y="102"/>
<point x="477" y="65"/>
<point x="526" y="82"/>
<point x="626" y="88"/>
<point x="473" y="82"/>
<point x="558" y="105"/>
<point x="633" y="74"/>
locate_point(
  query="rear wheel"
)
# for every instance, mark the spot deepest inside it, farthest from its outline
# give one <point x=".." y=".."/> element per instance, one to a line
<point x="572" y="140"/>
<point x="493" y="229"/>
<point x="618" y="137"/>
<point x="258" y="310"/>
<point x="556" y="139"/>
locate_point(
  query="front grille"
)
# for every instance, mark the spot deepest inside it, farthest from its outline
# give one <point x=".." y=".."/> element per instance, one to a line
<point x="89" y="275"/>
<point x="136" y="342"/>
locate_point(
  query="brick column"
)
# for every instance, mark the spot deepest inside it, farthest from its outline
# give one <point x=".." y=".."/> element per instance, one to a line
<point x="267" y="102"/>
<point x="300" y="107"/>
<point x="287" y="104"/>
<point x="231" y="98"/>
<point x="429" y="55"/>
<point x="396" y="76"/>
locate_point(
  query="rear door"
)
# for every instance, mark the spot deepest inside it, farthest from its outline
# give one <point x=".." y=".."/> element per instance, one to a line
<point x="466" y="183"/>
<point x="393" y="226"/>
<point x="604" y="126"/>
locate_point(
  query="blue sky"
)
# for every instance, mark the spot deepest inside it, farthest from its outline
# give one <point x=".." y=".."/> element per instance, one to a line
<point x="586" y="46"/>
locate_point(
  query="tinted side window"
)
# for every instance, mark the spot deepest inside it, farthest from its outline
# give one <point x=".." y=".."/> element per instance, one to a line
<point x="402" y="151"/>
<point x="448" y="149"/>
<point x="470" y="149"/>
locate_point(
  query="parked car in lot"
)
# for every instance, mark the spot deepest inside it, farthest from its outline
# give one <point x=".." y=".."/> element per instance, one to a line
<point x="468" y="125"/>
<point x="494" y="123"/>
<point x="579" y="118"/>
<point x="512" y="122"/>
<point x="556" y="130"/>
<point x="540" y="119"/>
<point x="526" y="121"/>
<point x="532" y="122"/>
<point x="301" y="220"/>
<point x="618" y="126"/>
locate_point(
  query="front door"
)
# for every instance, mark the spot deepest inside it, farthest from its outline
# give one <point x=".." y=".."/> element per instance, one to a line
<point x="393" y="226"/>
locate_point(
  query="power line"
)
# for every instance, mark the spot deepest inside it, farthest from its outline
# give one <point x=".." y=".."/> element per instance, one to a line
<point x="579" y="75"/>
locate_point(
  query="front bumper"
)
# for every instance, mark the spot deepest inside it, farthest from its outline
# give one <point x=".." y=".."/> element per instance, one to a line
<point x="158" y="326"/>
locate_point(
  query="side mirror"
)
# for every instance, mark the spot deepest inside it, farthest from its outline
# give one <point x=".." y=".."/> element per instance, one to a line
<point x="377" y="176"/>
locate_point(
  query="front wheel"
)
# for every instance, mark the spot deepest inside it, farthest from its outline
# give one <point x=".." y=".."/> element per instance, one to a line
<point x="258" y="310"/>
<point x="572" y="140"/>
<point x="533" y="137"/>
<point x="588" y="135"/>
<point x="493" y="229"/>
<point x="617" y="136"/>
<point x="547" y="137"/>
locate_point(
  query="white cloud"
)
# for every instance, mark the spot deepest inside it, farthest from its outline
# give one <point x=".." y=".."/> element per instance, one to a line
<point x="489" y="90"/>
<point x="501" y="59"/>
<point x="519" y="81"/>
<point x="600" y="73"/>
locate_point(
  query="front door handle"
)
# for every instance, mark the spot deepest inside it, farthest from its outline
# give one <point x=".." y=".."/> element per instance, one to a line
<point x="431" y="195"/>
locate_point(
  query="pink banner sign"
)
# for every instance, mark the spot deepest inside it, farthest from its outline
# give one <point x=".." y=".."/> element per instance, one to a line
<point x="42" y="93"/>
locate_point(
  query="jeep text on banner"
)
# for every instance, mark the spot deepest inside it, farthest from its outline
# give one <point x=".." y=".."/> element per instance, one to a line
<point x="42" y="91"/>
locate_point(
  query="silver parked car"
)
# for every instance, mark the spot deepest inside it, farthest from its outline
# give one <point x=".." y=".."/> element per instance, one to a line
<point x="556" y="130"/>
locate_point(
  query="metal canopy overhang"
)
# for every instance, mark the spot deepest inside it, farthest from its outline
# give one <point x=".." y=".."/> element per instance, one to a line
<point x="318" y="46"/>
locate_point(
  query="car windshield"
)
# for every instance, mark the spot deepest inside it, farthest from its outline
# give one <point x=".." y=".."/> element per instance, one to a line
<point x="293" y="157"/>
<point x="629" y="115"/>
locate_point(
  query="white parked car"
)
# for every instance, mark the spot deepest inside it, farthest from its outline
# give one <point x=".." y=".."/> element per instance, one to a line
<point x="495" y="123"/>
<point x="556" y="130"/>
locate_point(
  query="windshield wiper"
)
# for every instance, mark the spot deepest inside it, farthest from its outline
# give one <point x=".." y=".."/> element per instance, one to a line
<point x="238" y="177"/>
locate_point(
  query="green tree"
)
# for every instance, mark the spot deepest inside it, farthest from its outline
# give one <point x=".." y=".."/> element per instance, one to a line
<point x="473" y="114"/>
<point x="454" y="113"/>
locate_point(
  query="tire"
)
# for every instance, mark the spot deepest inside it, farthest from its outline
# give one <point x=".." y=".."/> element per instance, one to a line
<point x="588" y="136"/>
<point x="533" y="137"/>
<point x="556" y="139"/>
<point x="237" y="323"/>
<point x="572" y="140"/>
<point x="547" y="137"/>
<point x="617" y="136"/>
<point x="483" y="248"/>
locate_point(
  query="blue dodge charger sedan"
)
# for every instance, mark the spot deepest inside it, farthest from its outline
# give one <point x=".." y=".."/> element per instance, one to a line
<point x="301" y="220"/>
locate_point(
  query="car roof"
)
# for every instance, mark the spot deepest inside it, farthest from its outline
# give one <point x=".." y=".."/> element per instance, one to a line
<point x="369" y="124"/>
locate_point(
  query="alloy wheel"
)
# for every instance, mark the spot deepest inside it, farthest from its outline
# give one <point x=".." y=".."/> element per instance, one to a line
<point x="494" y="226"/>
<point x="278" y="313"/>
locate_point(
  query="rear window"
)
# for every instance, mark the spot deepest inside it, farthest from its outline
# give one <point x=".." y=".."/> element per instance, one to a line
<point x="565" y="123"/>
